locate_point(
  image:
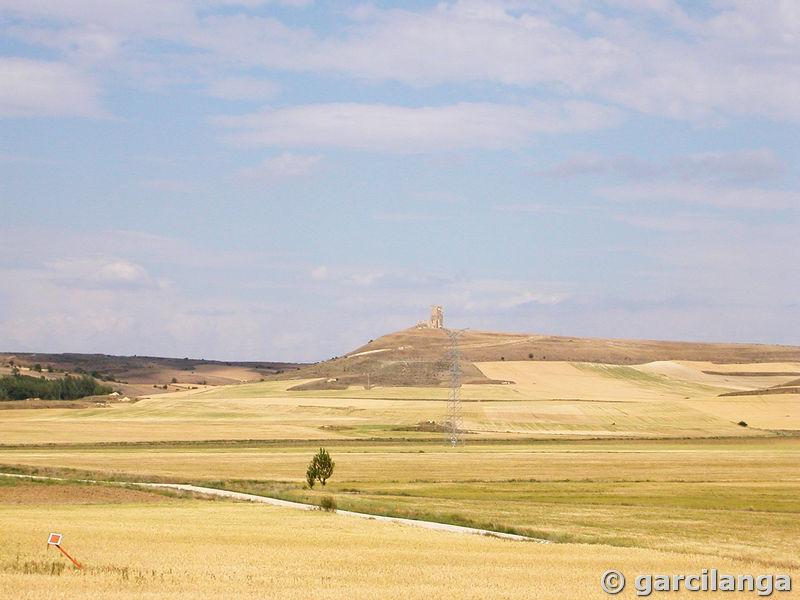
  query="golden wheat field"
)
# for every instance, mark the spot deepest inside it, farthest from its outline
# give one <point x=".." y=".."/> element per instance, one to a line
<point x="660" y="494"/>
<point x="541" y="400"/>
<point x="197" y="549"/>
<point x="646" y="469"/>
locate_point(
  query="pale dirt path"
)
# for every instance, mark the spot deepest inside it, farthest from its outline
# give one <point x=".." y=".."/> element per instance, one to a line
<point x="299" y="505"/>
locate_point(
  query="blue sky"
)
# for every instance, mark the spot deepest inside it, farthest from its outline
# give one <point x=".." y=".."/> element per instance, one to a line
<point x="240" y="179"/>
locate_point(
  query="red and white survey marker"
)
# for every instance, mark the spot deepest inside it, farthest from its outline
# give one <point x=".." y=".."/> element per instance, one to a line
<point x="55" y="540"/>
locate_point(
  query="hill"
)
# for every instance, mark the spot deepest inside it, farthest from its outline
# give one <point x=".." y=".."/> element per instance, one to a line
<point x="420" y="356"/>
<point x="136" y="375"/>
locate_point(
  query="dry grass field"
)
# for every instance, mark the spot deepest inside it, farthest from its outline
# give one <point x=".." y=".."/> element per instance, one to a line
<point x="541" y="399"/>
<point x="196" y="549"/>
<point x="641" y="467"/>
<point x="658" y="494"/>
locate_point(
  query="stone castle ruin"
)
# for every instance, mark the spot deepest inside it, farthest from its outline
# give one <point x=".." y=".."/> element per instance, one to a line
<point x="436" y="320"/>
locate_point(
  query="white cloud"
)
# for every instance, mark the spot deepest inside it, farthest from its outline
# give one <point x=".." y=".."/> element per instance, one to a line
<point x="706" y="73"/>
<point x="674" y="223"/>
<point x="284" y="165"/>
<point x="744" y="166"/>
<point x="170" y="185"/>
<point x="319" y="273"/>
<point x="347" y="277"/>
<point x="486" y="295"/>
<point x="97" y="273"/>
<point x="364" y="278"/>
<point x="120" y="15"/>
<point x="534" y="207"/>
<point x="406" y="218"/>
<point x="255" y="3"/>
<point x="379" y="127"/>
<point x="732" y="59"/>
<point x="35" y="88"/>
<point x="113" y="304"/>
<point x="242" y="88"/>
<point x="711" y="195"/>
<point x="39" y="245"/>
<point x="595" y="164"/>
<point x="83" y="44"/>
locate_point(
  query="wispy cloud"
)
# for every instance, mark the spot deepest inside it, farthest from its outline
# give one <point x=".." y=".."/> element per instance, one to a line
<point x="729" y="60"/>
<point x="242" y="88"/>
<point x="284" y="165"/>
<point x="745" y="166"/>
<point x="533" y="207"/>
<point x="170" y="185"/>
<point x="710" y="195"/>
<point x="38" y="88"/>
<point x="674" y="223"/>
<point x="385" y="128"/>
<point x="430" y="109"/>
<point x="628" y="166"/>
<point x="98" y="273"/>
<point x="406" y="217"/>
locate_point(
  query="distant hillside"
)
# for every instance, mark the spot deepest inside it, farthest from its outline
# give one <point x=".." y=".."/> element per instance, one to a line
<point x="135" y="375"/>
<point x="420" y="356"/>
<point x="408" y="357"/>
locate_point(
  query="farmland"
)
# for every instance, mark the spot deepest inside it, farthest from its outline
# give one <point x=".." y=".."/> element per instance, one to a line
<point x="654" y="494"/>
<point x="647" y="465"/>
<point x="541" y="400"/>
<point x="196" y="549"/>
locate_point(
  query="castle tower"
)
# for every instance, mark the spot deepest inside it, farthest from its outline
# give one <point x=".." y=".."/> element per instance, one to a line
<point x="437" y="317"/>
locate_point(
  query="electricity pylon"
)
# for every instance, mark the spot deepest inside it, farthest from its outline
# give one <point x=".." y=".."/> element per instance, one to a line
<point x="453" y="429"/>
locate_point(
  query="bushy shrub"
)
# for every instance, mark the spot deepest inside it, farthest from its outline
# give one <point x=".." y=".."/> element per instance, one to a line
<point x="328" y="503"/>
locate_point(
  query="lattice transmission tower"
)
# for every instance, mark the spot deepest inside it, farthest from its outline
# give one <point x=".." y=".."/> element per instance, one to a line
<point x="453" y="429"/>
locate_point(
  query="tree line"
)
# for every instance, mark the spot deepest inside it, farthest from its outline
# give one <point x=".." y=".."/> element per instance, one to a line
<point x="21" y="387"/>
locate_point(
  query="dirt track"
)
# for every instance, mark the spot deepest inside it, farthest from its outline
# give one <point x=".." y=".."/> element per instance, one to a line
<point x="298" y="505"/>
<point x="288" y="504"/>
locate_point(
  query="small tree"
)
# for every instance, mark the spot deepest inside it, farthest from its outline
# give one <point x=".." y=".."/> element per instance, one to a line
<point x="324" y="465"/>
<point x="320" y="468"/>
<point x="311" y="475"/>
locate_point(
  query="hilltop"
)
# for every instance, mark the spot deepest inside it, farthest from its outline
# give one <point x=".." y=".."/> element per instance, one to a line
<point x="410" y="357"/>
<point x="418" y="356"/>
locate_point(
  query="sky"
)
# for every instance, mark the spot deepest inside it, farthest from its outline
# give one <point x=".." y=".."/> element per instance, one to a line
<point x="287" y="180"/>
